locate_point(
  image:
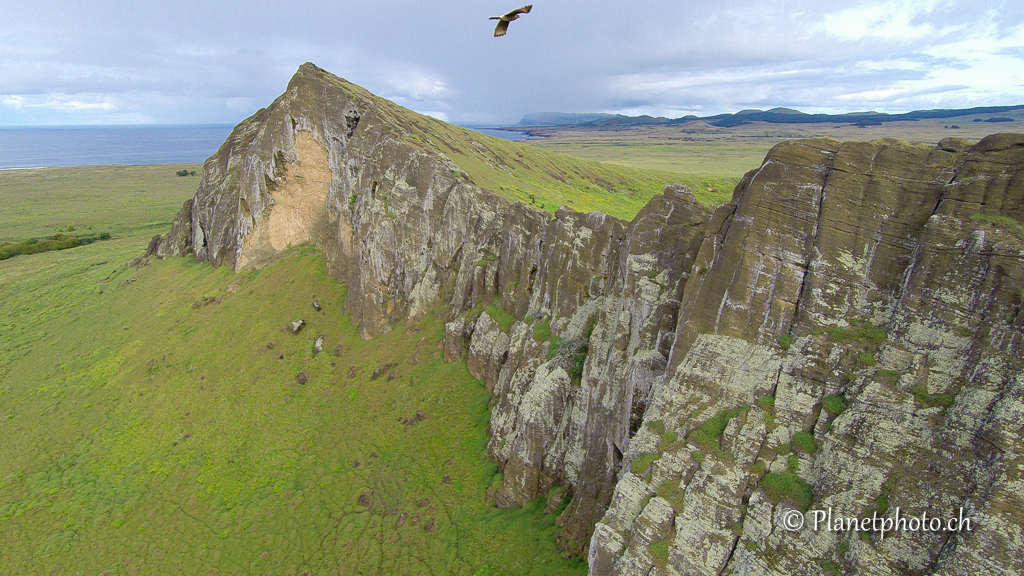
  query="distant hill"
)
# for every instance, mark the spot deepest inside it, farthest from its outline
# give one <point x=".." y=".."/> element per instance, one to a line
<point x="561" y="118"/>
<point x="774" y="116"/>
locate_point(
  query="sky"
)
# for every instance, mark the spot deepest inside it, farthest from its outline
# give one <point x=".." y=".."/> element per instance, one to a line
<point x="200" y="62"/>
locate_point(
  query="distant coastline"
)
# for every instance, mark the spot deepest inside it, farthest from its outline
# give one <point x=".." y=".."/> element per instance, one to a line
<point x="514" y="133"/>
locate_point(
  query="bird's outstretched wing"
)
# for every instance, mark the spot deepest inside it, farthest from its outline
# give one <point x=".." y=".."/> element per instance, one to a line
<point x="501" y="28"/>
<point x="524" y="10"/>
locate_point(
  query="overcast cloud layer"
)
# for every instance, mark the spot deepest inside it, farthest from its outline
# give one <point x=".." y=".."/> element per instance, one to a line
<point x="186" y="61"/>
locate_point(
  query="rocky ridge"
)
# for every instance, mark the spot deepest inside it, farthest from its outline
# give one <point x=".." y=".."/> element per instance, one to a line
<point x="845" y="333"/>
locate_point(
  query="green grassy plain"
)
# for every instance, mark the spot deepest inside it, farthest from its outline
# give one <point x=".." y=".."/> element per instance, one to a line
<point x="121" y="200"/>
<point x="154" y="422"/>
<point x="695" y="159"/>
<point x="699" y="150"/>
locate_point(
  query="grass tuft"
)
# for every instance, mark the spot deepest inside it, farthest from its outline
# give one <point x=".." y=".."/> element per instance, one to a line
<point x="922" y="396"/>
<point x="642" y="462"/>
<point x="861" y="331"/>
<point x="768" y="405"/>
<point x="1002" y="222"/>
<point x="542" y="331"/>
<point x="804" y="442"/>
<point x="789" y="487"/>
<point x="668" y="440"/>
<point x="709" y="435"/>
<point x="830" y="568"/>
<point x="889" y="376"/>
<point x="658" y="426"/>
<point x="786" y="341"/>
<point x="659" y="551"/>
<point x="834" y="404"/>
<point x="504" y="319"/>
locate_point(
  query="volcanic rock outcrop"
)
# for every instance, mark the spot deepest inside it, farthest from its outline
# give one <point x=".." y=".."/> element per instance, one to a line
<point x="845" y="334"/>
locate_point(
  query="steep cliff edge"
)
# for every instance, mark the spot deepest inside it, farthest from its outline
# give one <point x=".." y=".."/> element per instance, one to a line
<point x="846" y="333"/>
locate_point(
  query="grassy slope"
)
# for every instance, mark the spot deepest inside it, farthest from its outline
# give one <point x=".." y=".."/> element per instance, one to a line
<point x="145" y="434"/>
<point x="102" y="378"/>
<point x="516" y="171"/>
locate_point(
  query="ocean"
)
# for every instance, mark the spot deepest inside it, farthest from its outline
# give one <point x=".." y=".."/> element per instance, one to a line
<point x="43" y="147"/>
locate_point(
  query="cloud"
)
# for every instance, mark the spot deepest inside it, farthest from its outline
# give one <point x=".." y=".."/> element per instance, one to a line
<point x="191" y="61"/>
<point x="903" y="20"/>
<point x="435" y="114"/>
<point x="59" y="103"/>
<point x="411" y="84"/>
<point x="75" y="105"/>
<point x="14" y="101"/>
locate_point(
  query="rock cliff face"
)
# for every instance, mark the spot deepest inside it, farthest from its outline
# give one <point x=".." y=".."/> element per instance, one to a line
<point x="852" y="340"/>
<point x="846" y="333"/>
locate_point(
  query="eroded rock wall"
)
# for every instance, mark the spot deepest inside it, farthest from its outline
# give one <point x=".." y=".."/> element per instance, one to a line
<point x="846" y="333"/>
<point x="551" y="425"/>
<point x="857" y="335"/>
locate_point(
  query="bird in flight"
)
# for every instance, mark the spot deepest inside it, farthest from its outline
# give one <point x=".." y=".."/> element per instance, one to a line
<point x="504" y="20"/>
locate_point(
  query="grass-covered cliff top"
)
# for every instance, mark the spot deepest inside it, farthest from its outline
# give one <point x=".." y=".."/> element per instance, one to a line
<point x="522" y="172"/>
